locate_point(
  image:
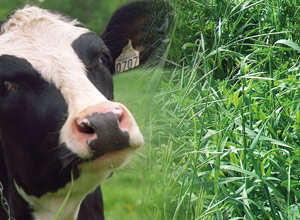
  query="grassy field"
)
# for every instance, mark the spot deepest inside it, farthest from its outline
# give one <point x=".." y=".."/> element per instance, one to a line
<point x="124" y="192"/>
<point x="223" y="126"/>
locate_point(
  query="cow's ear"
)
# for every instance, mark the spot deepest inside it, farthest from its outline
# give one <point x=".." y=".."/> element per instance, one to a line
<point x="142" y="24"/>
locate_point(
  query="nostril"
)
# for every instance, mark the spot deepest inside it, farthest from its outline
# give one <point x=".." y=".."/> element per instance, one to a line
<point x="85" y="127"/>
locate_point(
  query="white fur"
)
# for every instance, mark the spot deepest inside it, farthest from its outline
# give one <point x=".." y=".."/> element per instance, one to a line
<point x="45" y="40"/>
<point x="46" y="207"/>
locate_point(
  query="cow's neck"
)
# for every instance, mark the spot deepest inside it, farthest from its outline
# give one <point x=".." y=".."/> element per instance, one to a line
<point x="47" y="207"/>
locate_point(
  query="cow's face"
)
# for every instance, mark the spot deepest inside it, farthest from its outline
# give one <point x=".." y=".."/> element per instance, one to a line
<point x="56" y="110"/>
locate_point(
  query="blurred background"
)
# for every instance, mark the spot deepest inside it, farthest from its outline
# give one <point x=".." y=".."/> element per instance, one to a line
<point x="93" y="13"/>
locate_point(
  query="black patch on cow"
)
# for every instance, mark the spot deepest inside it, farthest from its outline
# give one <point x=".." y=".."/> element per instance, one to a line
<point x="92" y="206"/>
<point x="4" y="187"/>
<point x="31" y="117"/>
<point x="109" y="135"/>
<point x="145" y="23"/>
<point x="125" y="24"/>
<point x="96" y="58"/>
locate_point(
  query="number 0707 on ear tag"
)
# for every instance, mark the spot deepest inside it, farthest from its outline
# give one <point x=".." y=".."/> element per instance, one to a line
<point x="128" y="59"/>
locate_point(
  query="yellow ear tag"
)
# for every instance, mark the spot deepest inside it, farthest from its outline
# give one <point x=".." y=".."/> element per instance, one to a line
<point x="128" y="59"/>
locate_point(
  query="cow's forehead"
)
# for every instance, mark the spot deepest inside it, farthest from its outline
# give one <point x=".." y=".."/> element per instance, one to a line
<point x="45" y="40"/>
<point x="31" y="15"/>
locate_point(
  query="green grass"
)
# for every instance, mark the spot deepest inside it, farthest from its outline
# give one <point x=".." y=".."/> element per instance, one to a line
<point x="224" y="123"/>
<point x="124" y="192"/>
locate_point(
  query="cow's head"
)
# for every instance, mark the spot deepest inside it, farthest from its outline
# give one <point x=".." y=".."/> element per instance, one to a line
<point x="59" y="125"/>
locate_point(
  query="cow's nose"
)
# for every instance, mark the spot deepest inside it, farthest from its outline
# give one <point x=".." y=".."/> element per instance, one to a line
<point x="104" y="127"/>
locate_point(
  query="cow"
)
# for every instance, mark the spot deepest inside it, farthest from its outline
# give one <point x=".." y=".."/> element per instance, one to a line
<point x="61" y="132"/>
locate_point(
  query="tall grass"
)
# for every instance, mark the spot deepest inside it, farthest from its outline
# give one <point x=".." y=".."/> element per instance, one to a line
<point x="225" y="139"/>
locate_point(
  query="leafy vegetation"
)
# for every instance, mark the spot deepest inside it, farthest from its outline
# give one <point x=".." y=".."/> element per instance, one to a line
<point x="228" y="119"/>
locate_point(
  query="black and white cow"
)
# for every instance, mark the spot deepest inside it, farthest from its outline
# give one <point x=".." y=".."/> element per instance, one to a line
<point x="60" y="130"/>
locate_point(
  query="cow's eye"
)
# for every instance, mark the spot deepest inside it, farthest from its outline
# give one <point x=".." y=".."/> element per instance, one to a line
<point x="9" y="87"/>
<point x="104" y="58"/>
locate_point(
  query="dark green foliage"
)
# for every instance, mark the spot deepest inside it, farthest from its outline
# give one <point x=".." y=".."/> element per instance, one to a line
<point x="230" y="113"/>
<point x="229" y="30"/>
